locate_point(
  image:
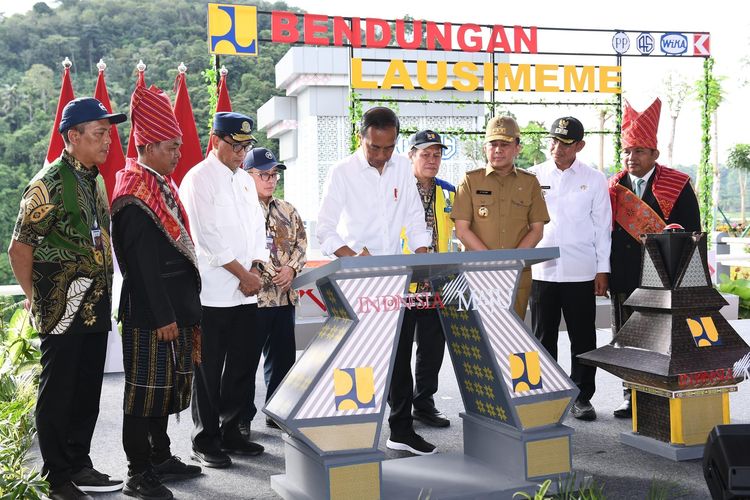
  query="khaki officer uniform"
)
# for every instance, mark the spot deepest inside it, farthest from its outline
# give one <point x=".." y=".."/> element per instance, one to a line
<point x="500" y="209"/>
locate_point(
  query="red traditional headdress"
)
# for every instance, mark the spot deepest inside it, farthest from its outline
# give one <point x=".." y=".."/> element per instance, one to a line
<point x="639" y="129"/>
<point x="152" y="116"/>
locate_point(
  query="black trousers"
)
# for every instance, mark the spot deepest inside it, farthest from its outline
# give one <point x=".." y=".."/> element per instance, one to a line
<point x="275" y="339"/>
<point x="67" y="407"/>
<point x="430" y="350"/>
<point x="577" y="303"/>
<point x="223" y="380"/>
<point x="145" y="441"/>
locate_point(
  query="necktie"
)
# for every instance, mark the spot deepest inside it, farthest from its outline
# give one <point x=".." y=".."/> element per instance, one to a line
<point x="639" y="187"/>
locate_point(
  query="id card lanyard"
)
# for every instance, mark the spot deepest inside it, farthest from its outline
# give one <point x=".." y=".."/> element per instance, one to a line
<point x="96" y="231"/>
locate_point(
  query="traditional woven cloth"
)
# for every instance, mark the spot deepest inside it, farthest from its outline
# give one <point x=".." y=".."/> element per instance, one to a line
<point x="152" y="116"/>
<point x="158" y="375"/>
<point x="666" y="188"/>
<point x="135" y="181"/>
<point x="639" y="129"/>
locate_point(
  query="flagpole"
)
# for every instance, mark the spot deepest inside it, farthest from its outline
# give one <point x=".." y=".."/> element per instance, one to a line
<point x="216" y="70"/>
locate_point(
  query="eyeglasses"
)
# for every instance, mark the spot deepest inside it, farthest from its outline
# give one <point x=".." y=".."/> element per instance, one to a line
<point x="239" y="146"/>
<point x="267" y="176"/>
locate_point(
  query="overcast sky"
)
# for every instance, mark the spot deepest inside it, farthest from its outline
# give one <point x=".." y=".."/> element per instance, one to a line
<point x="642" y="76"/>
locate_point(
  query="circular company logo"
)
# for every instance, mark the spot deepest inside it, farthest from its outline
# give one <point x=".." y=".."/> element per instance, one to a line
<point x="620" y="42"/>
<point x="645" y="43"/>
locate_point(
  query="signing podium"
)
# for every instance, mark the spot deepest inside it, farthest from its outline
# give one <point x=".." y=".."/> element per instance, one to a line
<point x="332" y="402"/>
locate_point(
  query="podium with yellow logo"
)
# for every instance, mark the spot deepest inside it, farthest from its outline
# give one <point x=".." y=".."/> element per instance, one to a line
<point x="332" y="402"/>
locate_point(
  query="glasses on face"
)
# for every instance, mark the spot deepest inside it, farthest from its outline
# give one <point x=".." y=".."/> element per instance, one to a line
<point x="267" y="176"/>
<point x="239" y="146"/>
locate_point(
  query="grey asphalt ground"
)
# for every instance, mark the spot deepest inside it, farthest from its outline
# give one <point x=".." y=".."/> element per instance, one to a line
<point x="624" y="472"/>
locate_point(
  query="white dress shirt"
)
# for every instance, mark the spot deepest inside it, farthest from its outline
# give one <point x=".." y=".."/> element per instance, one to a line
<point x="227" y="223"/>
<point x="362" y="208"/>
<point x="580" y="222"/>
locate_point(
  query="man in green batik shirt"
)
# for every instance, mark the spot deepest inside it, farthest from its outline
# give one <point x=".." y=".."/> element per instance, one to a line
<point x="60" y="255"/>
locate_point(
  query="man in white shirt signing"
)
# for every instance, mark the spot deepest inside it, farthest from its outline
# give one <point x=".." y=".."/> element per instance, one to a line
<point x="578" y="202"/>
<point x="228" y="227"/>
<point x="367" y="198"/>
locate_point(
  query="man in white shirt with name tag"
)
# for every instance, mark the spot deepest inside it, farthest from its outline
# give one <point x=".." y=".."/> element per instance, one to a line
<point x="580" y="224"/>
<point x="367" y="198"/>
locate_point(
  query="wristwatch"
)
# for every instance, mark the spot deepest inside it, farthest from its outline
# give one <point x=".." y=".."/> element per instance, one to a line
<point x="259" y="266"/>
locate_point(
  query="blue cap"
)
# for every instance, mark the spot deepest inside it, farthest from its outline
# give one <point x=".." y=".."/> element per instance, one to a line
<point x="86" y="109"/>
<point x="235" y="125"/>
<point x="262" y="159"/>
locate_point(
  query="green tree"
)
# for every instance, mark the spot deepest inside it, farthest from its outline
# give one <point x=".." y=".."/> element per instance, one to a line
<point x="739" y="159"/>
<point x="532" y="145"/>
<point x="163" y="33"/>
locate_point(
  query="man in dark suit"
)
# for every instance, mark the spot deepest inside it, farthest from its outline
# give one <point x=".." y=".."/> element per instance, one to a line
<point x="160" y="304"/>
<point x="645" y="197"/>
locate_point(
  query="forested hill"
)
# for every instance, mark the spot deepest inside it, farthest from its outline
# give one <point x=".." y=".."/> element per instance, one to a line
<point x="162" y="33"/>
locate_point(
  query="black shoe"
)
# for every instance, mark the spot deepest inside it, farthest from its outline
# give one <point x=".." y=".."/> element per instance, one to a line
<point x="68" y="491"/>
<point x="91" y="480"/>
<point x="624" y="410"/>
<point x="216" y="459"/>
<point x="412" y="443"/>
<point x="432" y="417"/>
<point x="270" y="423"/>
<point x="583" y="410"/>
<point x="146" y="486"/>
<point x="174" y="469"/>
<point x="244" y="427"/>
<point x="241" y="446"/>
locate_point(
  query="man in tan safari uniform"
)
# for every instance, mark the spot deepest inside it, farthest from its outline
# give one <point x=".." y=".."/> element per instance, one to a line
<point x="501" y="206"/>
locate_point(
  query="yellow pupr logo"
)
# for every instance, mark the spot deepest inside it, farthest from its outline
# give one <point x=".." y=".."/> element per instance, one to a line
<point x="704" y="331"/>
<point x="354" y="388"/>
<point x="232" y="29"/>
<point x="525" y="371"/>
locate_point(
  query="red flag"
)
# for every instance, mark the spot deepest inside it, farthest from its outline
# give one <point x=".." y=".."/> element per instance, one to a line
<point x="190" y="151"/>
<point x="140" y="82"/>
<point x="223" y="103"/>
<point x="115" y="159"/>
<point x="56" y="144"/>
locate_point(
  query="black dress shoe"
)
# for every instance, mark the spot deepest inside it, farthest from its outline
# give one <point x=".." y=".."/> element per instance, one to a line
<point x="215" y="459"/>
<point x="241" y="446"/>
<point x="624" y="410"/>
<point x="583" y="410"/>
<point x="433" y="417"/>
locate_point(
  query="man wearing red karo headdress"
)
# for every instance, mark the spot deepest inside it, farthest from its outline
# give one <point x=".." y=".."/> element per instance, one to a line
<point x="160" y="303"/>
<point x="645" y="198"/>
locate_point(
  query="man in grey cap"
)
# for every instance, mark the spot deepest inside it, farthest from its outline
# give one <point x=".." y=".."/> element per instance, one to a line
<point x="577" y="199"/>
<point x="60" y="255"/>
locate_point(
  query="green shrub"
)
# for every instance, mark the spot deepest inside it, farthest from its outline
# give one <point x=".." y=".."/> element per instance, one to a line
<point x="19" y="379"/>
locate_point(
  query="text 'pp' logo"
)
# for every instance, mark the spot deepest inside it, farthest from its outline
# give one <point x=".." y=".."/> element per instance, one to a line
<point x="354" y="388"/>
<point x="232" y="29"/>
<point x="525" y="371"/>
<point x="704" y="331"/>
